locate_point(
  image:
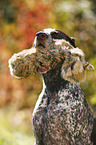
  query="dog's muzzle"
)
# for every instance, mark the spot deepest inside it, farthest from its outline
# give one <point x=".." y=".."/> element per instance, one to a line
<point x="40" y="39"/>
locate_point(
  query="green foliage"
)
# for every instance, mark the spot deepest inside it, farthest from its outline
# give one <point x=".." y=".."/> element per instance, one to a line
<point x="7" y="11"/>
<point x="78" y="20"/>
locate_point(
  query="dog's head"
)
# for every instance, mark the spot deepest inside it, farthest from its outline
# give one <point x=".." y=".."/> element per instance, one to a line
<point x="47" y="36"/>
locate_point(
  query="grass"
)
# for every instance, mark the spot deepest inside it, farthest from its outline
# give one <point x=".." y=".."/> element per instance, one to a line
<point x="14" y="138"/>
<point x="12" y="134"/>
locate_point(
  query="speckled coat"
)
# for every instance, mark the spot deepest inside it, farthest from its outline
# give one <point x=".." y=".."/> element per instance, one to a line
<point x="61" y="115"/>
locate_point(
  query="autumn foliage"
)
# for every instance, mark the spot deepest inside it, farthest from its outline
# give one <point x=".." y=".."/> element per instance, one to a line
<point x="16" y="34"/>
<point x="19" y="22"/>
<point x="29" y="21"/>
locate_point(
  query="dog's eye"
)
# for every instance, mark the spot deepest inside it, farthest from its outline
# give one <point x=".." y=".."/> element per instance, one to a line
<point x="41" y="36"/>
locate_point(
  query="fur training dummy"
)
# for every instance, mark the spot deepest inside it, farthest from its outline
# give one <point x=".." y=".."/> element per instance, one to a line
<point x="30" y="61"/>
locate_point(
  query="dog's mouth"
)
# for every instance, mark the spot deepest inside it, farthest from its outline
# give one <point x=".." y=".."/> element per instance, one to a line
<point x="42" y="69"/>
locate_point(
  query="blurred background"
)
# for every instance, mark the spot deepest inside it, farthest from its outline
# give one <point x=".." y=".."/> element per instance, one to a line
<point x="19" y="22"/>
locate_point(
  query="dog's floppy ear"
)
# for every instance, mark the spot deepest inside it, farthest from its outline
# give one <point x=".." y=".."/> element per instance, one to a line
<point x="57" y="34"/>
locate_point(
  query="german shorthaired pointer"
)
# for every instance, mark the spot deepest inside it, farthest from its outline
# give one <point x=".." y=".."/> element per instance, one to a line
<point x="61" y="115"/>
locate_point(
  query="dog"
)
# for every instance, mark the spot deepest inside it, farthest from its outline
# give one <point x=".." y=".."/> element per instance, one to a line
<point x="61" y="115"/>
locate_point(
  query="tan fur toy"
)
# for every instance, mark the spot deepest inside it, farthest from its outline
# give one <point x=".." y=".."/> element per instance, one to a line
<point x="30" y="61"/>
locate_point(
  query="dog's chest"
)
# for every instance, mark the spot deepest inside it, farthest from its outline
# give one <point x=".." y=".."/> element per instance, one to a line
<point x="61" y="116"/>
<point x="61" y="112"/>
<point x="56" y="119"/>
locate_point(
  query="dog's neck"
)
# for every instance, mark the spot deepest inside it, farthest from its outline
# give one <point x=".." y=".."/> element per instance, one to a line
<point x="53" y="79"/>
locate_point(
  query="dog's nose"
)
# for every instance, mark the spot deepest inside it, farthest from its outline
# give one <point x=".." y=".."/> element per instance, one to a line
<point x="41" y="36"/>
